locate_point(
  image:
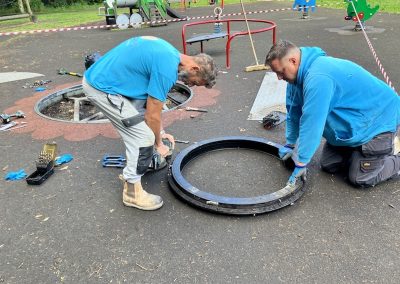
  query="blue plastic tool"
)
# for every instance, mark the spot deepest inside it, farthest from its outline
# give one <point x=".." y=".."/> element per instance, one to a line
<point x="40" y="89"/>
<point x="117" y="161"/>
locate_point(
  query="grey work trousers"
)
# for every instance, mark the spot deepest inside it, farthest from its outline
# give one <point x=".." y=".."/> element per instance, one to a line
<point x="368" y="164"/>
<point x="138" y="139"/>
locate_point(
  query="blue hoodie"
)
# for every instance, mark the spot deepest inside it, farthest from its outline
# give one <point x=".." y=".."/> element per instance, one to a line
<point x="338" y="100"/>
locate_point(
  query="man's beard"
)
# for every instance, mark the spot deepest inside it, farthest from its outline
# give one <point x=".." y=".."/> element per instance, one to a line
<point x="183" y="76"/>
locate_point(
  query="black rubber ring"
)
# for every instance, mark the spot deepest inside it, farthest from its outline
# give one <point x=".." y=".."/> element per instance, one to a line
<point x="231" y="205"/>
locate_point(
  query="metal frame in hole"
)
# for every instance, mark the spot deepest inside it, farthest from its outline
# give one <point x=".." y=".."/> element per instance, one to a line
<point x="231" y="205"/>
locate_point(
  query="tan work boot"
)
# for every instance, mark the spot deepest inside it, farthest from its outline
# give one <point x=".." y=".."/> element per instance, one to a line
<point x="396" y="145"/>
<point x="135" y="196"/>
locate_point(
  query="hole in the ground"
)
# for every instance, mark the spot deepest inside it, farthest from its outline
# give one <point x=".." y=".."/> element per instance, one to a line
<point x="71" y="104"/>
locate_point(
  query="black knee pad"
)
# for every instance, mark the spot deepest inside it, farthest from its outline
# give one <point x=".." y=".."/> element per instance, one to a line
<point x="144" y="160"/>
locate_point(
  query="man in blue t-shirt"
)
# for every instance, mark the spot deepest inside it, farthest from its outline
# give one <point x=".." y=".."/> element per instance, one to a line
<point x="357" y="114"/>
<point x="129" y="84"/>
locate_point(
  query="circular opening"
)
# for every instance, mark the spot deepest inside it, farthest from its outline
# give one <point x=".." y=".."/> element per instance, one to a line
<point x="71" y="104"/>
<point x="204" y="199"/>
<point x="236" y="172"/>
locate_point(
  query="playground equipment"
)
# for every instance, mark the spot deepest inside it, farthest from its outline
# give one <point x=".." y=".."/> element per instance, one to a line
<point x="218" y="33"/>
<point x="362" y="9"/>
<point x="22" y="14"/>
<point x="210" y="2"/>
<point x="304" y="6"/>
<point x="270" y="26"/>
<point x="218" y="16"/>
<point x="257" y="66"/>
<point x="147" y="10"/>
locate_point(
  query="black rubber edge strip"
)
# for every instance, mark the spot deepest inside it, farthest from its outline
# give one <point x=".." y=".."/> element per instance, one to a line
<point x="230" y="205"/>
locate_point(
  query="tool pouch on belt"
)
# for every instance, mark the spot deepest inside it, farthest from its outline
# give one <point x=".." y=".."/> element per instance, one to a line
<point x="140" y="106"/>
<point x="118" y="102"/>
<point x="380" y="145"/>
<point x="133" y="120"/>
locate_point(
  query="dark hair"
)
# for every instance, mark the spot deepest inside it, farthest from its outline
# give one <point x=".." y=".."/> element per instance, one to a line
<point x="279" y="50"/>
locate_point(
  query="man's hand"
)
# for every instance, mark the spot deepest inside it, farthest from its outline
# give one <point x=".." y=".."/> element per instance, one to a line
<point x="170" y="138"/>
<point x="299" y="172"/>
<point x="165" y="145"/>
<point x="163" y="150"/>
<point x="286" y="152"/>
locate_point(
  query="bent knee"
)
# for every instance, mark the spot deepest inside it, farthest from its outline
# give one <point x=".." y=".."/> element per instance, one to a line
<point x="331" y="168"/>
<point x="364" y="172"/>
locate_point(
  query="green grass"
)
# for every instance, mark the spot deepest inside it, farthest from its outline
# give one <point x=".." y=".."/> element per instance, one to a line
<point x="391" y="6"/>
<point x="55" y="18"/>
<point x="78" y="15"/>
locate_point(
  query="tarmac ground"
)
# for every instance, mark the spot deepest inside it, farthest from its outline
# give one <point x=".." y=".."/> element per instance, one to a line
<point x="74" y="228"/>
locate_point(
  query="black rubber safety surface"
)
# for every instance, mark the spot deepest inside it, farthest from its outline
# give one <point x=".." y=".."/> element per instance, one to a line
<point x="224" y="204"/>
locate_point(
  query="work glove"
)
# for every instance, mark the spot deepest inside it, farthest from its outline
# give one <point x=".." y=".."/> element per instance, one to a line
<point x="286" y="152"/>
<point x="66" y="158"/>
<point x="299" y="172"/>
<point x="16" y="175"/>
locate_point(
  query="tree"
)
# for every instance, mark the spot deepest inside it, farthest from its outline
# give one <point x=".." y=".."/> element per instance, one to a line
<point x="28" y="8"/>
<point x="21" y="7"/>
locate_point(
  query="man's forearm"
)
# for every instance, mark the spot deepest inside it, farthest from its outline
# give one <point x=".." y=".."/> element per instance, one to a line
<point x="292" y="131"/>
<point x="154" y="122"/>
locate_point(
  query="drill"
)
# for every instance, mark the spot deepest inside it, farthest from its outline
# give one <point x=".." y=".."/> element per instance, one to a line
<point x="157" y="161"/>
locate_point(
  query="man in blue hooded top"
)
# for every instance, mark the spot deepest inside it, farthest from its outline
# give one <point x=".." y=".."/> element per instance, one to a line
<point x="357" y="114"/>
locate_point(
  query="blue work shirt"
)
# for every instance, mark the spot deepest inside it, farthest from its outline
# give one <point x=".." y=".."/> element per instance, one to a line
<point x="137" y="68"/>
<point x="338" y="100"/>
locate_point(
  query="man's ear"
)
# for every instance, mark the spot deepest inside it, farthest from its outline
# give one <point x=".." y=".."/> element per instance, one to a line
<point x="293" y="60"/>
<point x="195" y="68"/>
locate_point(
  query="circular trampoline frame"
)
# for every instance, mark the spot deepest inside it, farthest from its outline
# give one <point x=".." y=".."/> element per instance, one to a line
<point x="224" y="204"/>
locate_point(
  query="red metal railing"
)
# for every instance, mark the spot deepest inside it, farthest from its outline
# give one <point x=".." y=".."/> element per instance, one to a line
<point x="271" y="26"/>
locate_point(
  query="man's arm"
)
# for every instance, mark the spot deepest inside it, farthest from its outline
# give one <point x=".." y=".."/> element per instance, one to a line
<point x="293" y="108"/>
<point x="152" y="118"/>
<point x="318" y="93"/>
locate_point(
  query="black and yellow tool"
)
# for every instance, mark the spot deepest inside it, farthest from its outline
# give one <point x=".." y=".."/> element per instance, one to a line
<point x="63" y="71"/>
